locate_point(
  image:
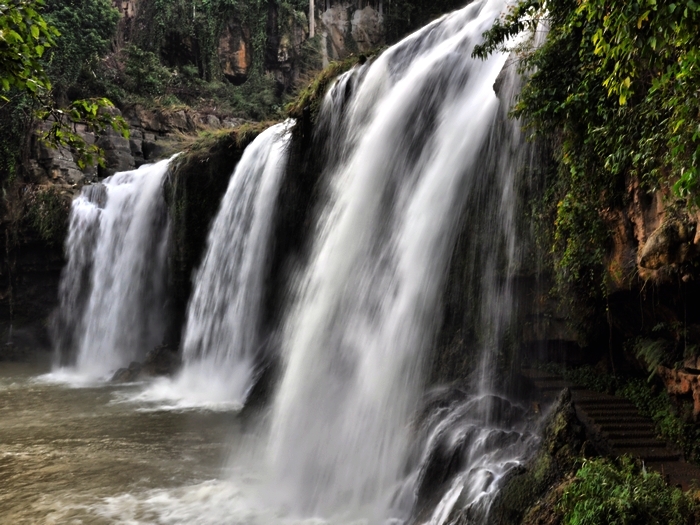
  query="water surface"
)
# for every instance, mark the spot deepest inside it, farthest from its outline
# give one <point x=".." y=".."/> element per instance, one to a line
<point x="86" y="455"/>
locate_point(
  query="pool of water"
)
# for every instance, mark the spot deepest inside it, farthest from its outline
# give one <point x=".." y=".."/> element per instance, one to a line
<point x="79" y="453"/>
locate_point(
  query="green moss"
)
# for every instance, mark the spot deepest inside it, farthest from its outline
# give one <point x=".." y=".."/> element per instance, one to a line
<point x="310" y="98"/>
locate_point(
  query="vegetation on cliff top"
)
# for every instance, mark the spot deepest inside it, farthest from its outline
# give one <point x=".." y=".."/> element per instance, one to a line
<point x="310" y="98"/>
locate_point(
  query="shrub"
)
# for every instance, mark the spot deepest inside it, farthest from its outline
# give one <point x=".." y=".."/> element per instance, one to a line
<point x="623" y="493"/>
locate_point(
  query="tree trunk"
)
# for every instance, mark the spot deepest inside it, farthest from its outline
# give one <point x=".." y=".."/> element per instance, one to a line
<point x="312" y="19"/>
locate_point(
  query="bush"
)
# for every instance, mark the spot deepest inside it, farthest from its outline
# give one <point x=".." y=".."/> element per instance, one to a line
<point x="144" y="73"/>
<point x="86" y="27"/>
<point x="623" y="493"/>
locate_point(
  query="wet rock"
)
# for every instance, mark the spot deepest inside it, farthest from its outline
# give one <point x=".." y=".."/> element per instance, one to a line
<point x="127" y="375"/>
<point x="162" y="360"/>
<point x="526" y="488"/>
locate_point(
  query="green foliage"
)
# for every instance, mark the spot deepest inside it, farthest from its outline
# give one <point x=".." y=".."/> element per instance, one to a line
<point x="198" y="24"/>
<point x="15" y="122"/>
<point x="24" y="37"/>
<point x="613" y="90"/>
<point x="86" y="28"/>
<point x="623" y="493"/>
<point x="145" y="75"/>
<point x="652" y="353"/>
<point x="671" y="421"/>
<point x="95" y="114"/>
<point x="47" y="211"/>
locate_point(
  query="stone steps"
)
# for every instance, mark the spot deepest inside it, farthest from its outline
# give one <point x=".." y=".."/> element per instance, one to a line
<point x="619" y="424"/>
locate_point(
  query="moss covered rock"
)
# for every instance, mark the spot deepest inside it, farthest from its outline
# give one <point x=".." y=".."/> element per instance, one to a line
<point x="530" y="487"/>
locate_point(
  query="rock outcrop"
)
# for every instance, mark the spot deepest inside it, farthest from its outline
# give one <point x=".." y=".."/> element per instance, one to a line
<point x="683" y="382"/>
<point x="671" y="243"/>
<point x="345" y="28"/>
<point x="235" y="52"/>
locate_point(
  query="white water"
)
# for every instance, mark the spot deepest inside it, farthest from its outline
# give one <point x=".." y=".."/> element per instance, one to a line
<point x="112" y="291"/>
<point x="421" y="140"/>
<point x="416" y="144"/>
<point x="222" y="342"/>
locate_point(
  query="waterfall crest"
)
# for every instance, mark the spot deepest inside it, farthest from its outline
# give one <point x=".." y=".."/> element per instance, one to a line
<point x="112" y="291"/>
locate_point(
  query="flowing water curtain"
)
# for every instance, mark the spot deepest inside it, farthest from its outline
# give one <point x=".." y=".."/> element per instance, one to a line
<point x="420" y="140"/>
<point x="112" y="291"/>
<point x="223" y="348"/>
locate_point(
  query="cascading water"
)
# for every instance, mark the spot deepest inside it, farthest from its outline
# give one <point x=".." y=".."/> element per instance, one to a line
<point x="112" y="290"/>
<point x="415" y="144"/>
<point x="222" y="345"/>
<point x="423" y="136"/>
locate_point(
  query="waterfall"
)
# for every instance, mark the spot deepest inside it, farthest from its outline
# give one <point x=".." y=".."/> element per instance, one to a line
<point x="424" y="142"/>
<point x="222" y="344"/>
<point x="112" y="289"/>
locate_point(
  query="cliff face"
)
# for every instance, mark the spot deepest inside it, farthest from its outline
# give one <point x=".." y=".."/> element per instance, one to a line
<point x="342" y="28"/>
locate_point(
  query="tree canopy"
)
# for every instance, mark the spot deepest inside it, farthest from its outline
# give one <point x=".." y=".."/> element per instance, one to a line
<point x="86" y="28"/>
<point x="24" y="37"/>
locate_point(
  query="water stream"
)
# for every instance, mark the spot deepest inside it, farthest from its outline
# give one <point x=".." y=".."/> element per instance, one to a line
<point x="416" y="145"/>
<point x="112" y="291"/>
<point x="223" y="347"/>
<point x="425" y="142"/>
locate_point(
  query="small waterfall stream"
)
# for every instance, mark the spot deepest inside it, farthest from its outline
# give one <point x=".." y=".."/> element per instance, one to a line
<point x="112" y="290"/>
<point x="222" y="344"/>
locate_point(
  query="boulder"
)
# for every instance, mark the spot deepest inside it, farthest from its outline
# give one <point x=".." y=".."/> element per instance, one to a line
<point x="671" y="243"/>
<point x="177" y="121"/>
<point x="212" y="121"/>
<point x="127" y="375"/>
<point x="162" y="360"/>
